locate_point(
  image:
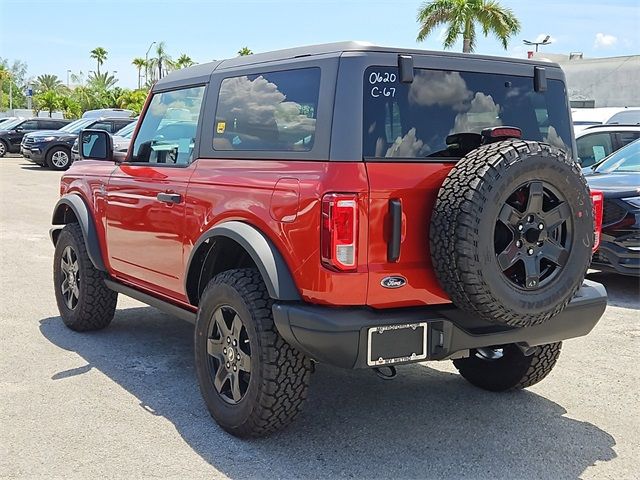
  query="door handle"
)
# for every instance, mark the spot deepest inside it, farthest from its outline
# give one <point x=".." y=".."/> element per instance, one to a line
<point x="169" y="197"/>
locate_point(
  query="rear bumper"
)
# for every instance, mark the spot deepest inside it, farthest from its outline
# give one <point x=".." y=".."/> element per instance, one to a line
<point x="338" y="336"/>
<point x="613" y="257"/>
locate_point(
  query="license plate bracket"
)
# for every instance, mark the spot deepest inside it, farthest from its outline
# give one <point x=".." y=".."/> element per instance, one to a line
<point x="391" y="344"/>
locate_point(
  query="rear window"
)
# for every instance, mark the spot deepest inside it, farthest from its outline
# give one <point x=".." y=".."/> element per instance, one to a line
<point x="273" y="111"/>
<point x="419" y="119"/>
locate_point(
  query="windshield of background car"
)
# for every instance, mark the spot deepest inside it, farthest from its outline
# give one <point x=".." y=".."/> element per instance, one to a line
<point x="418" y="119"/>
<point x="626" y="159"/>
<point x="76" y="126"/>
<point x="10" y="124"/>
<point x="127" y="131"/>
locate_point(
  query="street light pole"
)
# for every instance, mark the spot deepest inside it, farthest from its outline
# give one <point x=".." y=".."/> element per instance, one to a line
<point x="543" y="42"/>
<point x="146" y="63"/>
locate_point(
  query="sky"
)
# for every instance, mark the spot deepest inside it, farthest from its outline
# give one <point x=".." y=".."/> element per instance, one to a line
<point x="54" y="36"/>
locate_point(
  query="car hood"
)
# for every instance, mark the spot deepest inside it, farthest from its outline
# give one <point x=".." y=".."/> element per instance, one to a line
<point x="615" y="184"/>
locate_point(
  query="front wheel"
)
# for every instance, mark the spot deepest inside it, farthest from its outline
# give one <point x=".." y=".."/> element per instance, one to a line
<point x="252" y="381"/>
<point x="84" y="301"/>
<point x="3" y="148"/>
<point x="59" y="158"/>
<point x="507" y="367"/>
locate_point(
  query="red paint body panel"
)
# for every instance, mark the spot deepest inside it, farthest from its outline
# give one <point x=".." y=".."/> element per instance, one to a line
<point x="225" y="189"/>
<point x="416" y="186"/>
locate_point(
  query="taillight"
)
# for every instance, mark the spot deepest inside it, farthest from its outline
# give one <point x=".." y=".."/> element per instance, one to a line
<point x="339" y="231"/>
<point x="597" y="198"/>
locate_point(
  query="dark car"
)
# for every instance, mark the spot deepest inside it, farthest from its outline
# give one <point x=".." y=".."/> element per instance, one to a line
<point x="53" y="148"/>
<point x="11" y="133"/>
<point x="618" y="178"/>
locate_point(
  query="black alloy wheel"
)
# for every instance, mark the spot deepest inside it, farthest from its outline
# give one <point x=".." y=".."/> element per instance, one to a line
<point x="229" y="355"/>
<point x="533" y="235"/>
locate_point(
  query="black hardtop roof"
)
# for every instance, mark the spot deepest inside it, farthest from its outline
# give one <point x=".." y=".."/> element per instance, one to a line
<point x="200" y="73"/>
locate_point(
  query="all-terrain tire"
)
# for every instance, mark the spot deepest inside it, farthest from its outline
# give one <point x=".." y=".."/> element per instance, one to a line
<point x="463" y="226"/>
<point x="277" y="386"/>
<point x="95" y="304"/>
<point x="512" y="371"/>
<point x="59" y="158"/>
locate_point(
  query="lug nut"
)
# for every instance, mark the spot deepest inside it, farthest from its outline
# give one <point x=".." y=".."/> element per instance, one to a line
<point x="235" y="368"/>
<point x="228" y="365"/>
<point x="518" y="243"/>
<point x="520" y="227"/>
<point x="541" y="226"/>
<point x="540" y="243"/>
<point x="235" y="343"/>
<point x="228" y="340"/>
<point x="530" y="218"/>
<point x="530" y="251"/>
<point x="224" y="350"/>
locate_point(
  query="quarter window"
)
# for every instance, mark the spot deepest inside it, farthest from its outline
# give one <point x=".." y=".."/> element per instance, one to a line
<point x="274" y="111"/>
<point x="167" y="133"/>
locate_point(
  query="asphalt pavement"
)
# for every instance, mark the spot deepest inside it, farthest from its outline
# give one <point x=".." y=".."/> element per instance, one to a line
<point x="124" y="402"/>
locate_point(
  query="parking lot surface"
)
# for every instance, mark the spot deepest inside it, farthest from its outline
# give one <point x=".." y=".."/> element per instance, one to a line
<point x="124" y="402"/>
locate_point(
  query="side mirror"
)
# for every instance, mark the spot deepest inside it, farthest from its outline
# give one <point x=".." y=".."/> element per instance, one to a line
<point x="95" y="145"/>
<point x="19" y="129"/>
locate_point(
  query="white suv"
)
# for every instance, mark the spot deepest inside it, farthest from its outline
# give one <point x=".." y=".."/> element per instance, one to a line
<point x="595" y="143"/>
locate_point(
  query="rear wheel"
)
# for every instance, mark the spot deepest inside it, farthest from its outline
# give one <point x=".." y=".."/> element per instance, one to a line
<point x="252" y="381"/>
<point x="59" y="158"/>
<point x="507" y="367"/>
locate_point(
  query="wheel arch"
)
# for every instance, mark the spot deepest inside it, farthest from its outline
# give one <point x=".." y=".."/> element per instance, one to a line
<point x="248" y="247"/>
<point x="71" y="208"/>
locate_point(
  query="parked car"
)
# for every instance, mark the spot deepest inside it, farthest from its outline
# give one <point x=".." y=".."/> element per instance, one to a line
<point x="11" y="133"/>
<point x="52" y="148"/>
<point x="121" y="140"/>
<point x="597" y="142"/>
<point x="618" y="178"/>
<point x="109" y="112"/>
<point x="346" y="203"/>
<point x="588" y="117"/>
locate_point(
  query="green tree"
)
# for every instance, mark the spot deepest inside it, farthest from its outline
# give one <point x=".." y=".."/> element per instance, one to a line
<point x="15" y="84"/>
<point x="48" y="82"/>
<point x="132" y="100"/>
<point x="183" y="61"/>
<point x="5" y="77"/>
<point x="244" y="51"/>
<point x="70" y="106"/>
<point x="460" y="17"/>
<point x="100" y="55"/>
<point x="48" y="100"/>
<point x="139" y="63"/>
<point x="102" y="81"/>
<point x="162" y="60"/>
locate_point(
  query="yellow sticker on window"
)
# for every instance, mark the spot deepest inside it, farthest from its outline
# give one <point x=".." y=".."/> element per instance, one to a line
<point x="220" y="128"/>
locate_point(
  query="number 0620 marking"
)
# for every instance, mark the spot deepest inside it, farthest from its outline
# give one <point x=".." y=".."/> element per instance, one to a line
<point x="382" y="77"/>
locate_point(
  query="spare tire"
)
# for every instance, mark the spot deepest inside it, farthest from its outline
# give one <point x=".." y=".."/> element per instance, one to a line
<point x="511" y="232"/>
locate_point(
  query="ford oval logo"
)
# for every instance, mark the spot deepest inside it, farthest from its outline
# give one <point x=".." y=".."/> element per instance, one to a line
<point x="393" y="282"/>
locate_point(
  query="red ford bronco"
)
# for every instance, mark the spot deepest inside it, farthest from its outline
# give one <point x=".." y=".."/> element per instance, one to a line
<point x="345" y="203"/>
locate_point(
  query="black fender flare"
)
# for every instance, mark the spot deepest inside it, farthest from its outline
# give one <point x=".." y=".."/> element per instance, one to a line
<point x="75" y="203"/>
<point x="265" y="255"/>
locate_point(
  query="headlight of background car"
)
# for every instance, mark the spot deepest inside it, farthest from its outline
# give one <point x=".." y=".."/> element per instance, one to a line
<point x="635" y="201"/>
<point x="47" y="139"/>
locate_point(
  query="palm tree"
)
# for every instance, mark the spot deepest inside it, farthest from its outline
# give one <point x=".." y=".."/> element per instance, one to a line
<point x="139" y="63"/>
<point x="162" y="60"/>
<point x="102" y="82"/>
<point x="183" y="61"/>
<point x="244" y="51"/>
<point x="47" y="82"/>
<point x="100" y="55"/>
<point x="460" y="18"/>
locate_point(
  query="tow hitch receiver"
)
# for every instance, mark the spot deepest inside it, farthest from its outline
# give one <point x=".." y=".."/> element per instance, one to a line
<point x="391" y="344"/>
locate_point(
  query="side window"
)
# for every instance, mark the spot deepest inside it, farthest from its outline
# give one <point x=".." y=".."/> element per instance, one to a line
<point x="593" y="148"/>
<point x="273" y="111"/>
<point x="627" y="137"/>
<point x="106" y="126"/>
<point x="30" y="125"/>
<point x="119" y="125"/>
<point x="168" y="130"/>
